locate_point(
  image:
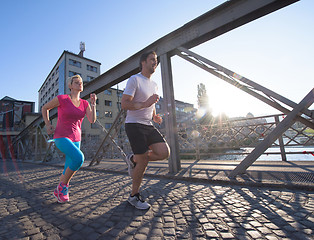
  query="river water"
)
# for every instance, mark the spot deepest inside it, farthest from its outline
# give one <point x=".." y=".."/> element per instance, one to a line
<point x="304" y="154"/>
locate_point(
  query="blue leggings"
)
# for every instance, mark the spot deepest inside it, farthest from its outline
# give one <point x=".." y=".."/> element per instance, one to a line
<point x="74" y="157"/>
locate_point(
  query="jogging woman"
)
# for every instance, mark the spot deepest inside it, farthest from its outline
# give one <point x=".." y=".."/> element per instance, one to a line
<point x="67" y="134"/>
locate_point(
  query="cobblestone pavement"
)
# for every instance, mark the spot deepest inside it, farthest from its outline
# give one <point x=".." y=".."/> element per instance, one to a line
<point x="180" y="209"/>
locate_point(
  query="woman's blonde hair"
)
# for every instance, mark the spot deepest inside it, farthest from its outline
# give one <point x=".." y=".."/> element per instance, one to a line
<point x="70" y="79"/>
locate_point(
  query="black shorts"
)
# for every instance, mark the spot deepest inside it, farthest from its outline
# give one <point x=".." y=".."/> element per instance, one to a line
<point x="142" y="136"/>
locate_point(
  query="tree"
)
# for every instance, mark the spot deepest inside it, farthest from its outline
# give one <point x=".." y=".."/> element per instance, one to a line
<point x="203" y="104"/>
<point x="249" y="115"/>
<point x="202" y="98"/>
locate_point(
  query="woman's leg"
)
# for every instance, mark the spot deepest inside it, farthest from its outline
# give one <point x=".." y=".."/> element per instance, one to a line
<point x="66" y="177"/>
<point x="73" y="155"/>
<point x="74" y="160"/>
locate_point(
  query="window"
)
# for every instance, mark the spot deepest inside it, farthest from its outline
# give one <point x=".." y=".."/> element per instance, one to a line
<point x="119" y="105"/>
<point x="73" y="73"/>
<point x="89" y="78"/>
<point x="108" y="125"/>
<point x="97" y="113"/>
<point x="91" y="68"/>
<point x="57" y="81"/>
<point x="179" y="109"/>
<point x="57" y="70"/>
<point x="119" y="94"/>
<point x="97" y="101"/>
<point x="75" y="63"/>
<point x="108" y="92"/>
<point x="93" y="125"/>
<point x="57" y="92"/>
<point x="158" y="106"/>
<point x="108" y="103"/>
<point x="108" y="114"/>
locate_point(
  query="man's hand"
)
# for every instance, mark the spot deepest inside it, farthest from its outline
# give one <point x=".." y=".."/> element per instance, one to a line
<point x="157" y="119"/>
<point x="151" y="100"/>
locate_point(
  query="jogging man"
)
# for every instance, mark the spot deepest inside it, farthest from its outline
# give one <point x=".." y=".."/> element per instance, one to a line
<point x="139" y="98"/>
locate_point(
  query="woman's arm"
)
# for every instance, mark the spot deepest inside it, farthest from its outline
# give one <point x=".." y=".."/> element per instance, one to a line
<point x="45" y="113"/>
<point x="91" y="109"/>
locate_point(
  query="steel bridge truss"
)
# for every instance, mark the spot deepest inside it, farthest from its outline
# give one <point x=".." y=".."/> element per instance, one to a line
<point x="299" y="112"/>
<point x="225" y="17"/>
<point x="266" y="95"/>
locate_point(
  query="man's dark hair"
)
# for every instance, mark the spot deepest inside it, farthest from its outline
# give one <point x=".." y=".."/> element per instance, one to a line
<point x="144" y="57"/>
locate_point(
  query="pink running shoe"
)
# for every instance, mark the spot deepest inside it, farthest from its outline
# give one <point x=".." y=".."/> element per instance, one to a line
<point x="62" y="193"/>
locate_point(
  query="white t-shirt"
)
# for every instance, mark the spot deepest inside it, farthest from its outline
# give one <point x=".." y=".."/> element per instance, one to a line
<point x="140" y="88"/>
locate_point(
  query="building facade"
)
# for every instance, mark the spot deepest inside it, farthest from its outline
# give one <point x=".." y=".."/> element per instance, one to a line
<point x="185" y="112"/>
<point x="68" y="65"/>
<point x="12" y="112"/>
<point x="108" y="102"/>
<point x="12" y="121"/>
<point x="108" y="106"/>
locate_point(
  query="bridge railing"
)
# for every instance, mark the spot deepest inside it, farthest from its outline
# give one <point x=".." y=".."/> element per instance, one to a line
<point x="226" y="139"/>
<point x="237" y="137"/>
<point x="229" y="139"/>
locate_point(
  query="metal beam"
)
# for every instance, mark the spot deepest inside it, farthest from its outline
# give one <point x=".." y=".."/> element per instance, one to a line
<point x="170" y="120"/>
<point x="245" y="80"/>
<point x="109" y="135"/>
<point x="251" y="87"/>
<point x="275" y="134"/>
<point x="215" y="22"/>
<point x="36" y="122"/>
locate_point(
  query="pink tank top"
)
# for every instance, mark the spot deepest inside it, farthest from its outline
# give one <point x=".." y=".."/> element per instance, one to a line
<point x="70" y="118"/>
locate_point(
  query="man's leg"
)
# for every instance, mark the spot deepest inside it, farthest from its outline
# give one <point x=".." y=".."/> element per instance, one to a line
<point x="159" y="151"/>
<point x="138" y="171"/>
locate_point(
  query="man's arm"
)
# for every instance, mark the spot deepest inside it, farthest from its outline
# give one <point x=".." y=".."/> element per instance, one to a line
<point x="127" y="102"/>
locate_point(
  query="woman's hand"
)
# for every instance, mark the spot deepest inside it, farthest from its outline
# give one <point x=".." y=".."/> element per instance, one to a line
<point x="50" y="129"/>
<point x="93" y="99"/>
<point x="91" y="110"/>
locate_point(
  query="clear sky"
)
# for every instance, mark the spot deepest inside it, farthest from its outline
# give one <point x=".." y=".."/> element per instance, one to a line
<point x="275" y="51"/>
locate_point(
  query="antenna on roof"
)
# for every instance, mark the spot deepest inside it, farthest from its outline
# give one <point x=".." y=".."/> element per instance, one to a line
<point x="82" y="48"/>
